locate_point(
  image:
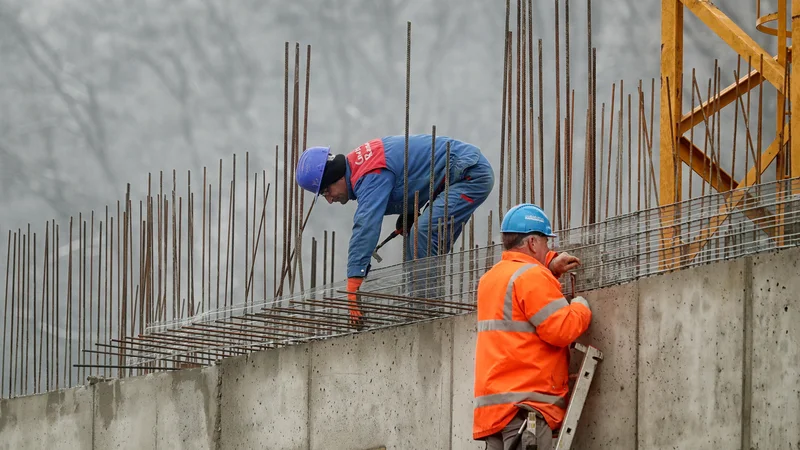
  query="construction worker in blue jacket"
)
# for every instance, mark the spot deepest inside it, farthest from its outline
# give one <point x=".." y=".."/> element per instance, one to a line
<point x="373" y="175"/>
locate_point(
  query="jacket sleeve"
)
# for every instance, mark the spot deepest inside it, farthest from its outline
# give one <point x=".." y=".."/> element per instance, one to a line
<point x="372" y="191"/>
<point x="557" y="322"/>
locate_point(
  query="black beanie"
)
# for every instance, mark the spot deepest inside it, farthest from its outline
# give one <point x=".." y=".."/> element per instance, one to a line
<point x="334" y="170"/>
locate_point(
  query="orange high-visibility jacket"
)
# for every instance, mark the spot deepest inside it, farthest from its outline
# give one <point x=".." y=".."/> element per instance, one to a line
<point x="525" y="327"/>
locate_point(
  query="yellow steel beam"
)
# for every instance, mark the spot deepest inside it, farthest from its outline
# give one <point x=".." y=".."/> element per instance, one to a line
<point x="671" y="77"/>
<point x="671" y="85"/>
<point x="714" y="104"/>
<point x="702" y="165"/>
<point x="725" y="98"/>
<point x="766" y="221"/>
<point x="737" y="39"/>
<point x="780" y="113"/>
<point x="719" y="180"/>
<point x="794" y="124"/>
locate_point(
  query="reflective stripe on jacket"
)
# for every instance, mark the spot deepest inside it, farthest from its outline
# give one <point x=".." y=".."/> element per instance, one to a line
<point x="525" y="327"/>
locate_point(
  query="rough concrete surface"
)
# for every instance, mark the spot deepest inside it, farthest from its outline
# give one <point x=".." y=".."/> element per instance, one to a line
<point x="464" y="337"/>
<point x="163" y="410"/>
<point x="386" y="388"/>
<point x="609" y="415"/>
<point x="717" y="349"/>
<point x="187" y="409"/>
<point x="58" y="419"/>
<point x="775" y="413"/>
<point x="264" y="399"/>
<point x="690" y="365"/>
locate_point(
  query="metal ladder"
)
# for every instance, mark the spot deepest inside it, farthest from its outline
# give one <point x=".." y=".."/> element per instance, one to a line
<point x="591" y="356"/>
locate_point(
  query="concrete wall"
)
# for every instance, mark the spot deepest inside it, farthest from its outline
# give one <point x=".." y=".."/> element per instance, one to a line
<point x="705" y="358"/>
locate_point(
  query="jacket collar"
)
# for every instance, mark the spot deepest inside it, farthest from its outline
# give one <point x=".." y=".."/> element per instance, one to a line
<point x="512" y="255"/>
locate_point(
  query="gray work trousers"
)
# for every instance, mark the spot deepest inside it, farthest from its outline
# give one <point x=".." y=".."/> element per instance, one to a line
<point x="543" y="438"/>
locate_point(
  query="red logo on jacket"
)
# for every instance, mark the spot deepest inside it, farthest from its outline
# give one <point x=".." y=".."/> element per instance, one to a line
<point x="367" y="158"/>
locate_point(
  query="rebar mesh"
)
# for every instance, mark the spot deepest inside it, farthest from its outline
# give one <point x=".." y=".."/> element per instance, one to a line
<point x="696" y="231"/>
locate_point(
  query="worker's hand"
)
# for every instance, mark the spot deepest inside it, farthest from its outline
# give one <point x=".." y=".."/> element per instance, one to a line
<point x="399" y="224"/>
<point x="563" y="263"/>
<point x="354" y="302"/>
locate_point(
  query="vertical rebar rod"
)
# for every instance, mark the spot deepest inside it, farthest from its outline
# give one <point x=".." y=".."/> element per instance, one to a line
<point x="44" y="349"/>
<point x="509" y="121"/>
<point x="523" y="98"/>
<point x="285" y="210"/>
<point x="108" y="267"/>
<point x="557" y="154"/>
<point x="252" y="289"/>
<point x="27" y="310"/>
<point x="568" y="135"/>
<point x="91" y="285"/>
<point x="430" y="192"/>
<point x="247" y="215"/>
<point x="760" y="116"/>
<point x="161" y="217"/>
<point x="531" y="155"/>
<point x="520" y="65"/>
<point x="313" y="280"/>
<point x="639" y="165"/>
<point x="691" y="138"/>
<point x="119" y="274"/>
<point x="719" y="126"/>
<point x="190" y="291"/>
<point x="202" y="245"/>
<point x="610" y="141"/>
<point x="415" y="242"/>
<point x="56" y="303"/>
<point x="5" y="316"/>
<point x="592" y="107"/>
<point x="228" y="245"/>
<point x="275" y="228"/>
<point x="630" y="156"/>
<point x="233" y="225"/>
<point x="654" y="191"/>
<point x="405" y="154"/>
<point x="333" y="254"/>
<point x="602" y="158"/>
<point x="748" y="144"/>
<point x="503" y="118"/>
<point x="32" y="325"/>
<point x="541" y="129"/>
<point x="735" y="119"/>
<point x="99" y="287"/>
<point x="68" y="346"/>
<point x="219" y="227"/>
<point x="447" y="242"/>
<point x="264" y="237"/>
<point x="585" y="199"/>
<point x="325" y="257"/>
<point x="297" y="214"/>
<point x="16" y="312"/>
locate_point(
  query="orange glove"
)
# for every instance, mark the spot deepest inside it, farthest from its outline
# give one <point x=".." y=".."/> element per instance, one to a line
<point x="353" y="284"/>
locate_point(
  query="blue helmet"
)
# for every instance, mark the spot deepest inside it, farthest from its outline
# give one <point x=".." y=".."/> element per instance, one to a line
<point x="526" y="218"/>
<point x="310" y="168"/>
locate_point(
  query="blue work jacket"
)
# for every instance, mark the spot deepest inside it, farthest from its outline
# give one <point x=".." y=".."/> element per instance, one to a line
<point x="380" y="193"/>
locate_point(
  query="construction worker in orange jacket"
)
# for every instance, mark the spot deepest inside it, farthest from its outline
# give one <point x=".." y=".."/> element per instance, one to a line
<point x="525" y="327"/>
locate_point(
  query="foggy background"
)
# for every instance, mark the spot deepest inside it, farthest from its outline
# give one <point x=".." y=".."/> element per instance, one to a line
<point x="97" y="94"/>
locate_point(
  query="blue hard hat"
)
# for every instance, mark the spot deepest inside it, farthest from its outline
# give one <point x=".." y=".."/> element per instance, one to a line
<point x="526" y="218"/>
<point x="310" y="168"/>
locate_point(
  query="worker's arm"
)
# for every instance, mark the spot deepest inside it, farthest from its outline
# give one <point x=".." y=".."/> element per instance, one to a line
<point x="372" y="191"/>
<point x="561" y="263"/>
<point x="557" y="322"/>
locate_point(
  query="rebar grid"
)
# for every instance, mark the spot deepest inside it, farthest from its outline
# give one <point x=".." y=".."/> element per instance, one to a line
<point x="612" y="252"/>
